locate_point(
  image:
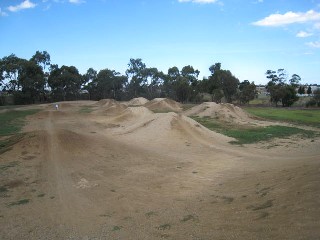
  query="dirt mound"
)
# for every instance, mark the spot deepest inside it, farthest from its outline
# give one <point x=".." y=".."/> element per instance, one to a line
<point x="169" y="128"/>
<point x="110" y="108"/>
<point x="163" y="105"/>
<point x="132" y="114"/>
<point x="137" y="101"/>
<point x="105" y="102"/>
<point x="224" y="112"/>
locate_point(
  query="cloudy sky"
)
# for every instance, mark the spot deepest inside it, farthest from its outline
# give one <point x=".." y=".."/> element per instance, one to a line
<point x="247" y="37"/>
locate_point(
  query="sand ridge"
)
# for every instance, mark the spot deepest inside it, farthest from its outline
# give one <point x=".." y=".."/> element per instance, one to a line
<point x="163" y="105"/>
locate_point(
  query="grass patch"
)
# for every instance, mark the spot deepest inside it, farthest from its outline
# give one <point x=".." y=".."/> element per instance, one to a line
<point x="187" y="106"/>
<point x="117" y="228"/>
<point x="3" y="189"/>
<point x="20" y="202"/>
<point x="4" y="167"/>
<point x="86" y="109"/>
<point x="246" y="135"/>
<point x="5" y="145"/>
<point x="264" y="205"/>
<point x="188" y="218"/>
<point x="163" y="227"/>
<point x="151" y="213"/>
<point x="299" y="116"/>
<point x="12" y="121"/>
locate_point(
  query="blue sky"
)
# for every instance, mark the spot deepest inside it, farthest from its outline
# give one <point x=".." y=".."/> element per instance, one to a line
<point x="247" y="37"/>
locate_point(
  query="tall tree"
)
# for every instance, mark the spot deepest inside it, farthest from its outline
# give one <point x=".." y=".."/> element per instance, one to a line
<point x="136" y="75"/>
<point x="222" y="81"/>
<point x="247" y="91"/>
<point x="10" y="68"/>
<point x="32" y="82"/>
<point x="279" y="89"/>
<point x="42" y="59"/>
<point x="65" y="82"/>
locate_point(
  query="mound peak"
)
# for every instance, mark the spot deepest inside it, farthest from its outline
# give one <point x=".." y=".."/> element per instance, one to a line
<point x="224" y="112"/>
<point x="163" y="105"/>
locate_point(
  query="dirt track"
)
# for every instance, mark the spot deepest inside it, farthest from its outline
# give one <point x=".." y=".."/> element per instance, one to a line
<point x="140" y="175"/>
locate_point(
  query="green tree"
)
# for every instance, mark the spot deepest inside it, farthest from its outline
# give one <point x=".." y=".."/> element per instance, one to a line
<point x="279" y="90"/>
<point x="42" y="59"/>
<point x="222" y="81"/>
<point x="301" y="90"/>
<point x="247" y="91"/>
<point x="32" y="82"/>
<point x="10" y="68"/>
<point x="65" y="82"/>
<point x="137" y="76"/>
<point x="309" y="90"/>
<point x="110" y="83"/>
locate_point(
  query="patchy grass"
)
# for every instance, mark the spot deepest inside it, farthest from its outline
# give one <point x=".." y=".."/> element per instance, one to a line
<point x="4" y="167"/>
<point x="187" y="106"/>
<point x="12" y="121"/>
<point x="163" y="227"/>
<point x="264" y="205"/>
<point x="20" y="202"/>
<point x="188" y="218"/>
<point x="116" y="228"/>
<point x="298" y="116"/>
<point x="6" y="144"/>
<point x="151" y="213"/>
<point x="86" y="109"/>
<point x="248" y="135"/>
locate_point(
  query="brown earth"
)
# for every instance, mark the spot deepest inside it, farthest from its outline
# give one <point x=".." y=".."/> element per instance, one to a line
<point x="135" y="174"/>
<point x="163" y="105"/>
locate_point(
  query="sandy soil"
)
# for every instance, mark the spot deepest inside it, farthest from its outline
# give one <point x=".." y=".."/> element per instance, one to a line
<point x="124" y="172"/>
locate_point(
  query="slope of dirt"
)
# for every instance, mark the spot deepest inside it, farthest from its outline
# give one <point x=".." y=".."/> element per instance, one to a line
<point x="137" y="101"/>
<point x="109" y="107"/>
<point x="163" y="105"/>
<point x="152" y="176"/>
<point x="223" y="112"/>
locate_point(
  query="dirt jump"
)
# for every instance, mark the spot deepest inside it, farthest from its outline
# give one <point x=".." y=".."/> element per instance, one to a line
<point x="124" y="171"/>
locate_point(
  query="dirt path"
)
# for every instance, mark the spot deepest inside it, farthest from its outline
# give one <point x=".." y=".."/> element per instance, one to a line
<point x="76" y="176"/>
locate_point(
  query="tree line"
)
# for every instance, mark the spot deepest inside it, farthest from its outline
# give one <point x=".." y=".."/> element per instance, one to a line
<point x="38" y="80"/>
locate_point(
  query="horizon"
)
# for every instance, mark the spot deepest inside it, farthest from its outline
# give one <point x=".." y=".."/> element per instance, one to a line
<point x="248" y="41"/>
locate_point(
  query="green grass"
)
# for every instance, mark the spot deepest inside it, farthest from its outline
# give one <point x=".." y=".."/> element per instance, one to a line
<point x="5" y="145"/>
<point x="86" y="109"/>
<point x="12" y="121"/>
<point x="20" y="202"/>
<point x="6" y="166"/>
<point x="299" y="116"/>
<point x="248" y="135"/>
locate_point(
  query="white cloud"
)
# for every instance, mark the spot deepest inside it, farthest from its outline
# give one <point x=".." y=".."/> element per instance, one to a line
<point x="317" y="25"/>
<point x="314" y="44"/>
<point x="303" y="34"/>
<point x="276" y="20"/>
<point x="24" y="5"/>
<point x="76" y="1"/>
<point x="3" y="14"/>
<point x="199" y="1"/>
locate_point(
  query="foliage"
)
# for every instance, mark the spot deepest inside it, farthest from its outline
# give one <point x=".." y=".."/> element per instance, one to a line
<point x="247" y="92"/>
<point x="37" y="80"/>
<point x="221" y="84"/>
<point x="315" y="101"/>
<point x="65" y="82"/>
<point x="280" y="90"/>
